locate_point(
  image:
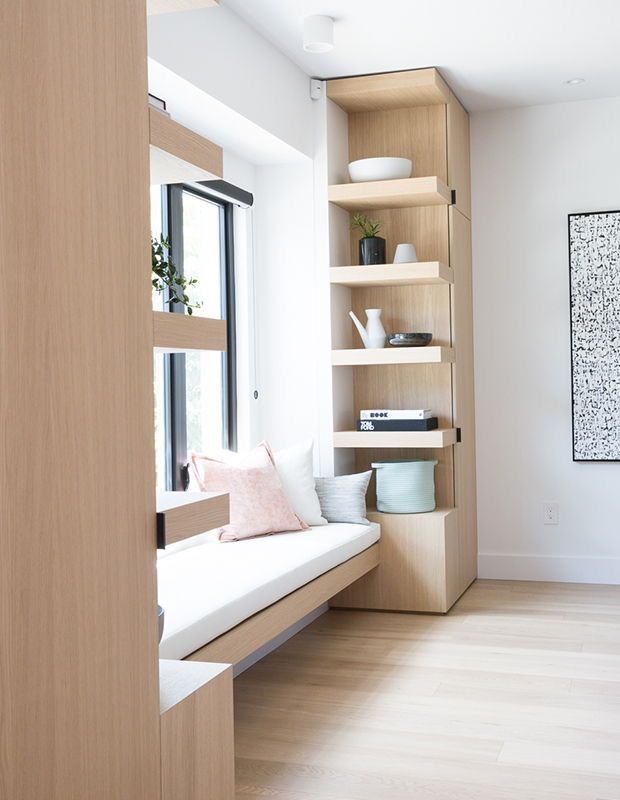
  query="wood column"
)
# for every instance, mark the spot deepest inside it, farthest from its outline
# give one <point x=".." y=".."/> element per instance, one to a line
<point x="79" y="701"/>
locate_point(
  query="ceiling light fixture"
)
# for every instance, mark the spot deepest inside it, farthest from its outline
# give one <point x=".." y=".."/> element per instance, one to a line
<point x="318" y="34"/>
<point x="574" y="81"/>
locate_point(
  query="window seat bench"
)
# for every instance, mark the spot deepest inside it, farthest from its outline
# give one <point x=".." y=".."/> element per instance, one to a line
<point x="225" y="600"/>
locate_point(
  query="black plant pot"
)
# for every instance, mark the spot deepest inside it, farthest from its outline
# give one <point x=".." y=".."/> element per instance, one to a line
<point x="372" y="250"/>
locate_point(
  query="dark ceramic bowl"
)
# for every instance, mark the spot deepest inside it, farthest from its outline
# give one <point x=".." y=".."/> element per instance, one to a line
<point x="410" y="339"/>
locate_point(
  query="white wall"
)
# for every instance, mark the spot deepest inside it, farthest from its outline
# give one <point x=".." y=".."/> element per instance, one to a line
<point x="530" y="168"/>
<point x="224" y="80"/>
<point x="286" y="304"/>
<point x="223" y="56"/>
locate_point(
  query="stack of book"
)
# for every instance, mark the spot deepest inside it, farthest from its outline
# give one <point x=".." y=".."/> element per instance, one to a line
<point x="386" y="419"/>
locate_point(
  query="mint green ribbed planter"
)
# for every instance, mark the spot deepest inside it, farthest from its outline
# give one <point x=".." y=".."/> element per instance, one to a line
<point x="405" y="487"/>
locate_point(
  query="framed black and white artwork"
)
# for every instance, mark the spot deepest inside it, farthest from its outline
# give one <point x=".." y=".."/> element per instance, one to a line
<point x="594" y="253"/>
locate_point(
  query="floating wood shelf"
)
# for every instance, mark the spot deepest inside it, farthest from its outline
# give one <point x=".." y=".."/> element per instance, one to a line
<point x="179" y="154"/>
<point x="422" y="273"/>
<point x="442" y="437"/>
<point x="180" y="333"/>
<point x="402" y="193"/>
<point x="168" y="6"/>
<point x="420" y="87"/>
<point x="184" y="514"/>
<point x="438" y="514"/>
<point x="393" y="355"/>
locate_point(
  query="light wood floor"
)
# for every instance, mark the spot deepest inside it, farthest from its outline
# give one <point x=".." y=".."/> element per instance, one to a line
<point x="514" y="694"/>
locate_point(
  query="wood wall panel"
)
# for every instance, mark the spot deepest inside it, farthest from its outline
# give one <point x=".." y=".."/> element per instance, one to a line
<point x="425" y="309"/>
<point x="78" y="633"/>
<point x="459" y="171"/>
<point x="415" y="133"/>
<point x="464" y="411"/>
<point x="426" y="227"/>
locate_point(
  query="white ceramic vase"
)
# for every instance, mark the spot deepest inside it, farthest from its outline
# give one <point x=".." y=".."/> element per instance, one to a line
<point x="373" y="335"/>
<point x="405" y="253"/>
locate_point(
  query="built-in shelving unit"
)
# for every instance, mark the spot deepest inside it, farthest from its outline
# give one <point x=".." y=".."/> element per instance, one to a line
<point x="427" y="273"/>
<point x="393" y="355"/>
<point x="184" y="514"/>
<point x="180" y="333"/>
<point x="427" y="560"/>
<point x="441" y="437"/>
<point x="401" y="193"/>
<point x="179" y="154"/>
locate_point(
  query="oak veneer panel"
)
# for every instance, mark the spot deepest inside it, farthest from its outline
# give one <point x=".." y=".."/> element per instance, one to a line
<point x="415" y="133"/>
<point x="197" y="742"/>
<point x="402" y="193"/>
<point x="413" y="572"/>
<point x="420" y="87"/>
<point x="256" y="631"/>
<point x="382" y="356"/>
<point x="464" y="413"/>
<point x="426" y="227"/>
<point x="442" y="437"/>
<point x="168" y="6"/>
<point x="180" y="333"/>
<point x="425" y="309"/>
<point x="78" y="630"/>
<point x="459" y="171"/>
<point x="179" y="154"/>
<point x="416" y="274"/>
<point x="410" y="386"/>
<point x="184" y="514"/>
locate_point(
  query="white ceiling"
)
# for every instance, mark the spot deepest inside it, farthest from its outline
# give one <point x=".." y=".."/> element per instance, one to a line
<point x="494" y="53"/>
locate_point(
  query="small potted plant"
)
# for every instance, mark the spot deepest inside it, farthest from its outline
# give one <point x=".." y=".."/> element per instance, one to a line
<point x="166" y="276"/>
<point x="371" y="246"/>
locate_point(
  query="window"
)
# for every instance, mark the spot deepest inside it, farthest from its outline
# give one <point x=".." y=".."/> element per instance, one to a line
<point x="195" y="393"/>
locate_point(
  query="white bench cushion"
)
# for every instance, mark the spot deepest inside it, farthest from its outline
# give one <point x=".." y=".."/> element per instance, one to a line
<point x="208" y="589"/>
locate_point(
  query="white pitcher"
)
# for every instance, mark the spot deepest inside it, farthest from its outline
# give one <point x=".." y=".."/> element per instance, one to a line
<point x="373" y="335"/>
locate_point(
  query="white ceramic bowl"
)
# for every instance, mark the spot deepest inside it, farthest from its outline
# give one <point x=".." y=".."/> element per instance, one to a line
<point x="380" y="169"/>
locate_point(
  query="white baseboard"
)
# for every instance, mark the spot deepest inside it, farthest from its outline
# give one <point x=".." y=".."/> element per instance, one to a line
<point x="564" y="569"/>
<point x="279" y="639"/>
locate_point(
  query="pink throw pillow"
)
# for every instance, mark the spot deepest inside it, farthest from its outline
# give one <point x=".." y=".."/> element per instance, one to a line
<point x="258" y="505"/>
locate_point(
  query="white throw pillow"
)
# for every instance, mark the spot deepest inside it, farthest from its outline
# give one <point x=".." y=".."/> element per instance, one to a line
<point x="343" y="498"/>
<point x="296" y="470"/>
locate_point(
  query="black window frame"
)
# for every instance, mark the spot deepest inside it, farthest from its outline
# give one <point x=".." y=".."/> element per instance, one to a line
<point x="175" y="405"/>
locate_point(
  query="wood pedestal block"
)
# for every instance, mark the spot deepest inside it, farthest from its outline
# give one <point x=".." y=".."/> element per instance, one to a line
<point x="419" y="568"/>
<point x="197" y="743"/>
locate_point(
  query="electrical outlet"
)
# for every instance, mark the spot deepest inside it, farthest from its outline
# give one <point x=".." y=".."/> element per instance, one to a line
<point x="551" y="513"/>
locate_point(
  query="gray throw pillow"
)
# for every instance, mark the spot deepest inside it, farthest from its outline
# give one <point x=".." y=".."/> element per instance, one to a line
<point x="343" y="498"/>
